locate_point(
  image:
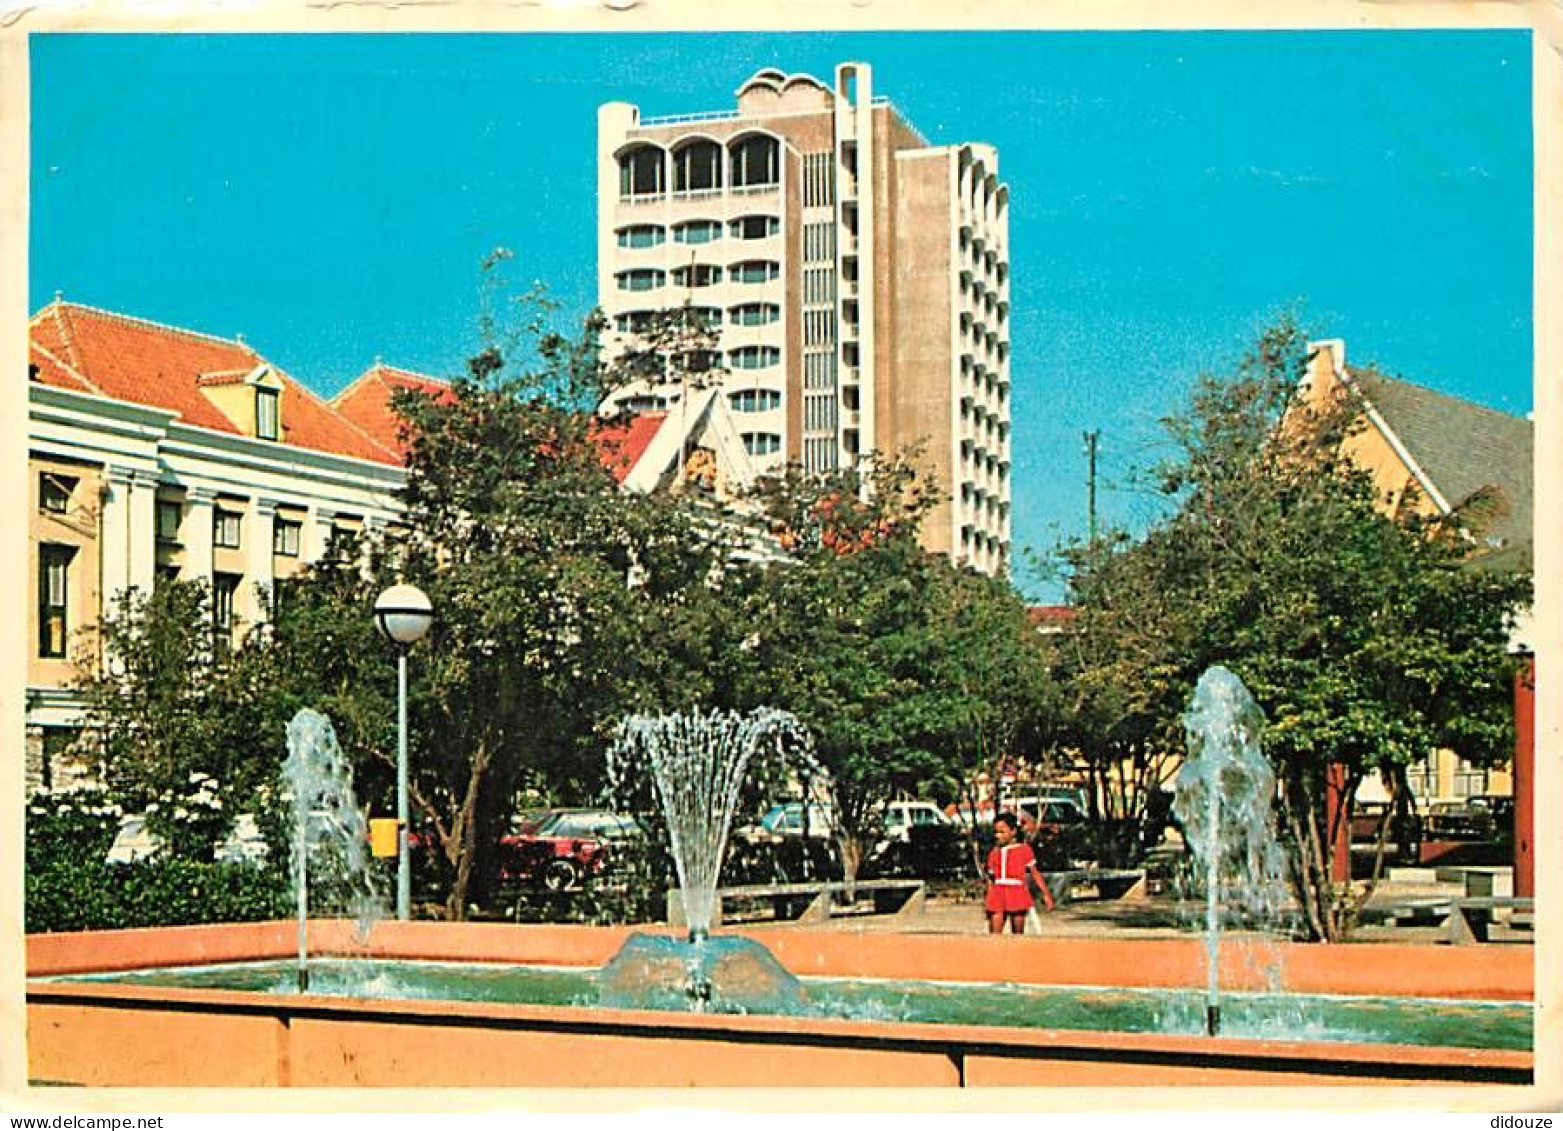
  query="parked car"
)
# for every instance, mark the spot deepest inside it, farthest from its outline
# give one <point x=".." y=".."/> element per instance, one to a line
<point x="785" y="820"/>
<point x="558" y="849"/>
<point x="1404" y="841"/>
<point x="135" y="842"/>
<point x="1063" y="805"/>
<point x="901" y="817"/>
<point x="1459" y="820"/>
<point x="1500" y="806"/>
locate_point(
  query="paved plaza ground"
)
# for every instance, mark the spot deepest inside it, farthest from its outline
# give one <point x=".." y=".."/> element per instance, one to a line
<point x="1162" y="916"/>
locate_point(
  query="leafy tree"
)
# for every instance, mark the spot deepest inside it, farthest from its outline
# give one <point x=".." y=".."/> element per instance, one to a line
<point x="1368" y="642"/>
<point x="175" y="735"/>
<point x="1001" y="700"/>
<point x="881" y="647"/>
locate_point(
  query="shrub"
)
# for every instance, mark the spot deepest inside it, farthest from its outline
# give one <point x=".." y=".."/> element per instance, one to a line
<point x="70" y="887"/>
<point x="77" y="895"/>
<point x="75" y="826"/>
<point x="930" y="852"/>
<point x="790" y="860"/>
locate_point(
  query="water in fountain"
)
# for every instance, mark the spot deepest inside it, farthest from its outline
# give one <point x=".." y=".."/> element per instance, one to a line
<point x="698" y="762"/>
<point x="1223" y="800"/>
<point x="330" y="837"/>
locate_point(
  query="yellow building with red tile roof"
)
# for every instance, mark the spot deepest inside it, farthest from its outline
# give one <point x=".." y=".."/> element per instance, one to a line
<point x="154" y="451"/>
<point x="158" y="451"/>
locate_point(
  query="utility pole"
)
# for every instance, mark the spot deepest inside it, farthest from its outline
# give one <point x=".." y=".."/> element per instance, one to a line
<point x="1091" y="438"/>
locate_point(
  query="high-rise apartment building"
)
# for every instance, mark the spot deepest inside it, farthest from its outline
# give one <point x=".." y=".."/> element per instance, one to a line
<point x="859" y="275"/>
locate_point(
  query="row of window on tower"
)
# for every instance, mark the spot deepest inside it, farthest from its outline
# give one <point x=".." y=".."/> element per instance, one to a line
<point x="742" y="400"/>
<point x="699" y="166"/>
<point x="756" y="227"/>
<point x="708" y="317"/>
<point x="698" y="275"/>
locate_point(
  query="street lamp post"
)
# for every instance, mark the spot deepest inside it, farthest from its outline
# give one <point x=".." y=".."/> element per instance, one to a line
<point x="403" y="614"/>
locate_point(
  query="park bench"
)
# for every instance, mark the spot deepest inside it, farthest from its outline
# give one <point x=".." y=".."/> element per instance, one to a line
<point x="810" y="902"/>
<point x="1471" y="917"/>
<point x="1110" y="883"/>
<point x="1478" y="881"/>
<point x="1425" y="912"/>
<point x="1466" y="919"/>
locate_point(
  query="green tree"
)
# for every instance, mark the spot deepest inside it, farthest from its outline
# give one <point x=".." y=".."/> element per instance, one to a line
<point x="1001" y="701"/>
<point x="1368" y="642"/>
<point x="883" y="649"/>
<point x="174" y="733"/>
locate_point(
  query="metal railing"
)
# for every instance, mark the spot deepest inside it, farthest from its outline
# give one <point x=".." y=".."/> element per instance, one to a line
<point x="725" y="116"/>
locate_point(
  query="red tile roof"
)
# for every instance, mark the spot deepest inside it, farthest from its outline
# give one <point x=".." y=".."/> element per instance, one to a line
<point x="621" y="443"/>
<point x="44" y="367"/>
<point x="161" y="366"/>
<point x="367" y="401"/>
<point x="114" y="355"/>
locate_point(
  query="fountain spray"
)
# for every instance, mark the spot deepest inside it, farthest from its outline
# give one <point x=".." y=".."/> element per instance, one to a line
<point x="328" y="826"/>
<point x="698" y="762"/>
<point x="1223" y="801"/>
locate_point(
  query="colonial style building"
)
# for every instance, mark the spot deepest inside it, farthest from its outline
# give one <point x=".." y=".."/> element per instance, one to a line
<point x="859" y="277"/>
<point x="155" y="450"/>
<point x="1433" y="455"/>
<point x="694" y="448"/>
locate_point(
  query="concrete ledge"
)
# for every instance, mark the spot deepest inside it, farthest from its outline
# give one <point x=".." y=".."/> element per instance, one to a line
<point x="809" y="902"/>
<point x="115" y="1034"/>
<point x="106" y="1035"/>
<point x="1389" y="969"/>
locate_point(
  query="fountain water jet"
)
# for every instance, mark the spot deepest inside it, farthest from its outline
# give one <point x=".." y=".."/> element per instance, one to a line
<point x="328" y="826"/>
<point x="1223" y="801"/>
<point x="698" y="762"/>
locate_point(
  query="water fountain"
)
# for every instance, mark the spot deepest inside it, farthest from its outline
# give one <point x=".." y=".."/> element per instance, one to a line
<point x="698" y="763"/>
<point x="478" y="1003"/>
<point x="329" y="832"/>
<point x="1223" y="800"/>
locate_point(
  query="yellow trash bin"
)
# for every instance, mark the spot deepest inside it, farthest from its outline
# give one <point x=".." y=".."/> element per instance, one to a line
<point x="382" y="836"/>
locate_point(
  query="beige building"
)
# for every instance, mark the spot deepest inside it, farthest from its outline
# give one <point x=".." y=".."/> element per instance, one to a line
<point x="859" y="276"/>
<point x="1432" y="455"/>
<point x="156" y="451"/>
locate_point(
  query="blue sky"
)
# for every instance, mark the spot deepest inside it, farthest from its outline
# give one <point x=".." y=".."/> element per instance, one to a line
<point x="331" y="197"/>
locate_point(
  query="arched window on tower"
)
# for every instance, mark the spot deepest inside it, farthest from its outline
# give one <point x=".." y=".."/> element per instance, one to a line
<point x="697" y="167"/>
<point x="756" y="162"/>
<point x="641" y="172"/>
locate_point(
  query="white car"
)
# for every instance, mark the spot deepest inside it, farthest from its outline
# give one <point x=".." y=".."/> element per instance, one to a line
<point x="901" y="817"/>
<point x="135" y="841"/>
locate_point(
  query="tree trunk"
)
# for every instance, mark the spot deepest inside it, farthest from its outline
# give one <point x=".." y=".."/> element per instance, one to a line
<point x="1297" y="819"/>
<point x="464" y="834"/>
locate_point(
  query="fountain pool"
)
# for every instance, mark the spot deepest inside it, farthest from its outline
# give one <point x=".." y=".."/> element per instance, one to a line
<point x="886" y="1010"/>
<point x="1261" y="1016"/>
<point x="500" y="1005"/>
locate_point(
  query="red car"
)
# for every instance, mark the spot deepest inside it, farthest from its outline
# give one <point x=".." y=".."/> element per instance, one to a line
<point x="559" y="848"/>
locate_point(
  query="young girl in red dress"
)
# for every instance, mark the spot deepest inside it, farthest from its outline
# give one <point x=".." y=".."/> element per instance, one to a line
<point x="1008" y="865"/>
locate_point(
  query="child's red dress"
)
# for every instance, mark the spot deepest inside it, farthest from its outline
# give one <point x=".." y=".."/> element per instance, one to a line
<point x="1007" y="891"/>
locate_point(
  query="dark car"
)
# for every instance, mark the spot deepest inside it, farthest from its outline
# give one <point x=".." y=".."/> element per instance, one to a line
<point x="558" y="849"/>
<point x="1058" y="828"/>
<point x="1456" y="820"/>
<point x="1403" y="841"/>
<point x="1500" y="806"/>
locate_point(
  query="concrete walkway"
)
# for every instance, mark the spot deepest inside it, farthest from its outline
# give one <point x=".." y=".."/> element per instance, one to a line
<point x="1155" y="917"/>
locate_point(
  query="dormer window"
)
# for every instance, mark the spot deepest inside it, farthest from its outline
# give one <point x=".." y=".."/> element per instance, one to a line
<point x="54" y="492"/>
<point x="251" y="399"/>
<point x="267" y="417"/>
